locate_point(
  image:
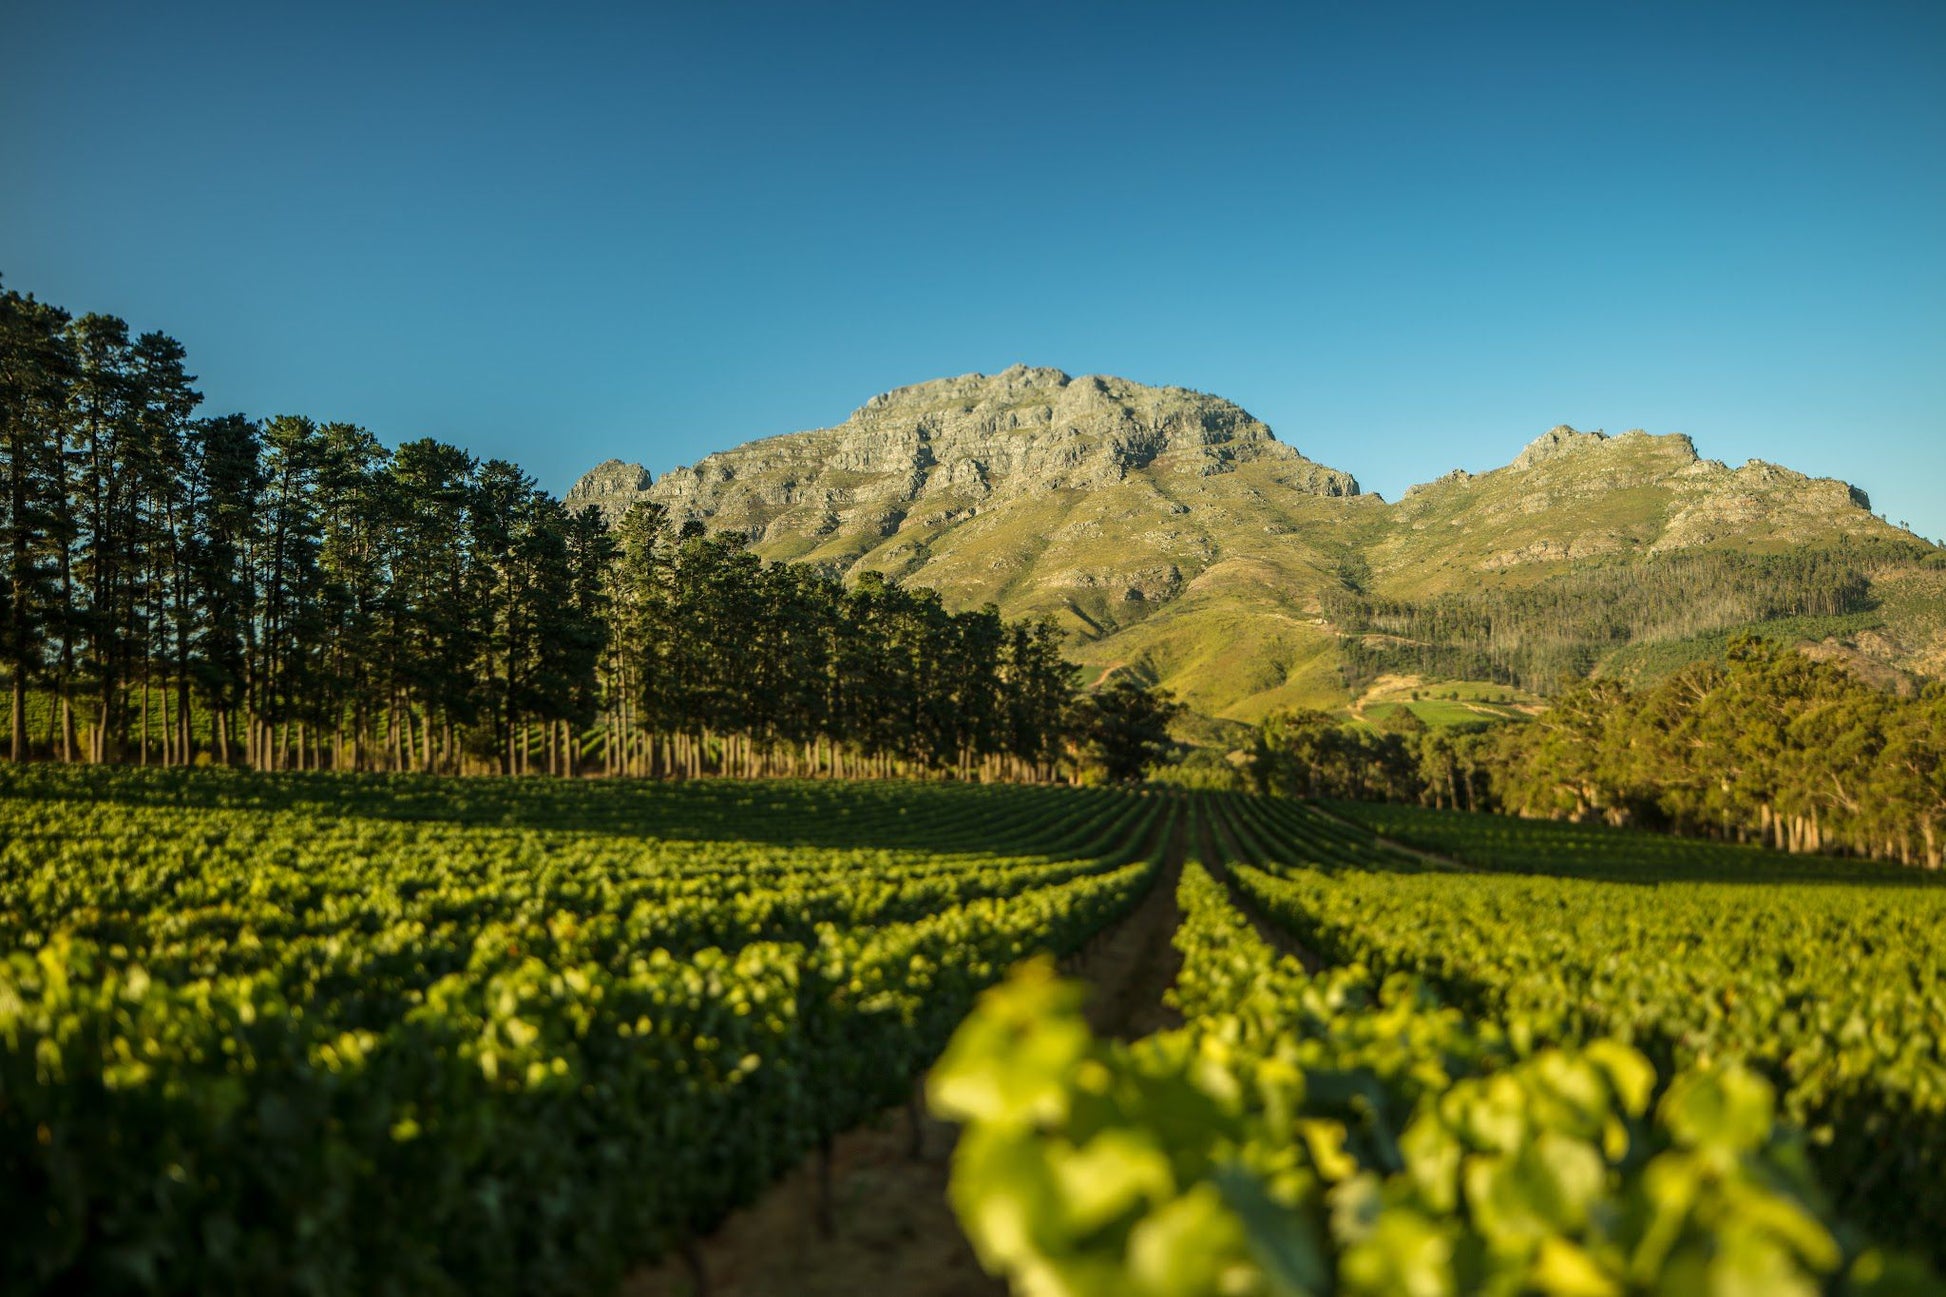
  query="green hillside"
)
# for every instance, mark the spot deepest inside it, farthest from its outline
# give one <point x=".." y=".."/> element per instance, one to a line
<point x="1174" y="537"/>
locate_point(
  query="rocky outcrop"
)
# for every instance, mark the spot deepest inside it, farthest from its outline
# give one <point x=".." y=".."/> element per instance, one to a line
<point x="1721" y="504"/>
<point x="946" y="451"/>
<point x="1556" y="442"/>
<point x="1456" y="477"/>
<point x="613" y="485"/>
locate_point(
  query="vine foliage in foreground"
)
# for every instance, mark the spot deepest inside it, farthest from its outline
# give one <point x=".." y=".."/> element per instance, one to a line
<point x="1306" y="1135"/>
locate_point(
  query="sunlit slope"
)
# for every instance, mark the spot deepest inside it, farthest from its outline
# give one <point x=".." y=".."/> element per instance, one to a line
<point x="1175" y="537"/>
<point x="1581" y="497"/>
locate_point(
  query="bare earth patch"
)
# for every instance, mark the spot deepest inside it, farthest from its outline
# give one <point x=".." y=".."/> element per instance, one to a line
<point x="893" y="1230"/>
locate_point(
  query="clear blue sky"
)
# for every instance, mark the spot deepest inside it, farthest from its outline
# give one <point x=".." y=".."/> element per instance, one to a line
<point x="1408" y="237"/>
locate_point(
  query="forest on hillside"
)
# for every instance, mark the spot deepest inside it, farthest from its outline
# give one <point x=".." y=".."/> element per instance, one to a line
<point x="1539" y="635"/>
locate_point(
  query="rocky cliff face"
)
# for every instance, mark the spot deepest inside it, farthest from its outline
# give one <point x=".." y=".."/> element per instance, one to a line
<point x="1172" y="532"/>
<point x="612" y="485"/>
<point x="1571" y="496"/>
<point x="946" y="451"/>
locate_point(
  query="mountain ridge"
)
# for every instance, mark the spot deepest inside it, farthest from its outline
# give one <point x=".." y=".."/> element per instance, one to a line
<point x="1177" y="536"/>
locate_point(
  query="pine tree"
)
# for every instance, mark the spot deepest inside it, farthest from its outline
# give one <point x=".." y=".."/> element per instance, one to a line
<point x="225" y="489"/>
<point x="36" y="372"/>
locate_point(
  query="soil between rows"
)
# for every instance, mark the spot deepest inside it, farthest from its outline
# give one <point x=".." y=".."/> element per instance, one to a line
<point x="894" y="1231"/>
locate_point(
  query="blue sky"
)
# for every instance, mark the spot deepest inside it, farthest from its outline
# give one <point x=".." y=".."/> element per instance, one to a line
<point x="1408" y="237"/>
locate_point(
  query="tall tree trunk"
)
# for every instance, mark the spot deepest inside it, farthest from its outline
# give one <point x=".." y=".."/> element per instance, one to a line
<point x="168" y="726"/>
<point x="17" y="748"/>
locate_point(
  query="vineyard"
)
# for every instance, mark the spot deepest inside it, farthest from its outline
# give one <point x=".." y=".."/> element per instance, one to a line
<point x="394" y="1034"/>
<point x="1401" y="1073"/>
<point x="314" y="1035"/>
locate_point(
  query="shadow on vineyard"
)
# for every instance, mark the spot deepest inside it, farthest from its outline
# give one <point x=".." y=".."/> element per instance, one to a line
<point x="1876" y="1146"/>
<point x="813" y="813"/>
<point x="1506" y="844"/>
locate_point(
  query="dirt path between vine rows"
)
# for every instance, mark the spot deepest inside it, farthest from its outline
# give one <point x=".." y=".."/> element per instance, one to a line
<point x="1220" y="847"/>
<point x="1129" y="966"/>
<point x="895" y="1234"/>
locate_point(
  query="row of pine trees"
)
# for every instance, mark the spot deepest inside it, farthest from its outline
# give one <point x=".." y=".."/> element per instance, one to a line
<point x="288" y="594"/>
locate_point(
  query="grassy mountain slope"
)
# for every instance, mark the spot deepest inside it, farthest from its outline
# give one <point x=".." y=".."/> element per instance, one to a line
<point x="1175" y="537"/>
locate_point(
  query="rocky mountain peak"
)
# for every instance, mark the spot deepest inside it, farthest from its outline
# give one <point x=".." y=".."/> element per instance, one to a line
<point x="613" y="485"/>
<point x="944" y="450"/>
<point x="1011" y="386"/>
<point x="1651" y="455"/>
<point x="1556" y="442"/>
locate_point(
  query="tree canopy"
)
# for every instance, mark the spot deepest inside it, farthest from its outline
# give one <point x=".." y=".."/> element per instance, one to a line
<point x="1759" y="744"/>
<point x="287" y="593"/>
<point x="1123" y="728"/>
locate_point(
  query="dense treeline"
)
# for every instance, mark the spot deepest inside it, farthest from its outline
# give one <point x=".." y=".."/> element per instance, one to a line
<point x="1534" y="636"/>
<point x="1761" y="744"/>
<point x="293" y="594"/>
<point x="1309" y="753"/>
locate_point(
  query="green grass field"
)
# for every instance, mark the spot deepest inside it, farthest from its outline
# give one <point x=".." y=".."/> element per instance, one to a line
<point x="1442" y="704"/>
<point x="1643" y="664"/>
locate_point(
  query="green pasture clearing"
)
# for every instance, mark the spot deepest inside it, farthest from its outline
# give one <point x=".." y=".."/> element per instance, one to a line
<point x="1442" y="714"/>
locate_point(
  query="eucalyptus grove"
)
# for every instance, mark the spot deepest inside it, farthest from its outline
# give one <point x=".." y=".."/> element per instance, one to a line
<point x="1760" y="744"/>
